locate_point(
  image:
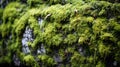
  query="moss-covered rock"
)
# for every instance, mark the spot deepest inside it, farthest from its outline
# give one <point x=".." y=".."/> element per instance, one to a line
<point x="76" y="33"/>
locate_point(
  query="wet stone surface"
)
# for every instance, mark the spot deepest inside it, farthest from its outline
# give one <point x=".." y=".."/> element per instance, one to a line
<point x="41" y="49"/>
<point x="16" y="60"/>
<point x="27" y="37"/>
<point x="40" y="21"/>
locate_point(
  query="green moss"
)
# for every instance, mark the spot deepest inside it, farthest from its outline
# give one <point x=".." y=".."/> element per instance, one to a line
<point x="5" y="29"/>
<point x="34" y="3"/>
<point x="29" y="60"/>
<point x="46" y="60"/>
<point x="5" y="59"/>
<point x="118" y="43"/>
<point x="106" y="35"/>
<point x="55" y="13"/>
<point x="1" y="13"/>
<point x="104" y="50"/>
<point x="57" y="39"/>
<point x="70" y="39"/>
<point x="77" y="58"/>
<point x="100" y="64"/>
<point x="20" y="24"/>
<point x="12" y="11"/>
<point x="117" y="28"/>
<point x="83" y="38"/>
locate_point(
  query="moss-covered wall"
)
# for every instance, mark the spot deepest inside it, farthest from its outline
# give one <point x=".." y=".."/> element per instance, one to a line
<point x="71" y="33"/>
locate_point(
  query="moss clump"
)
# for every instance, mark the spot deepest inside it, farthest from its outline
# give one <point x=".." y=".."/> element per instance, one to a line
<point x="12" y="11"/>
<point x="58" y="14"/>
<point x="70" y="39"/>
<point x="46" y="60"/>
<point x="29" y="60"/>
